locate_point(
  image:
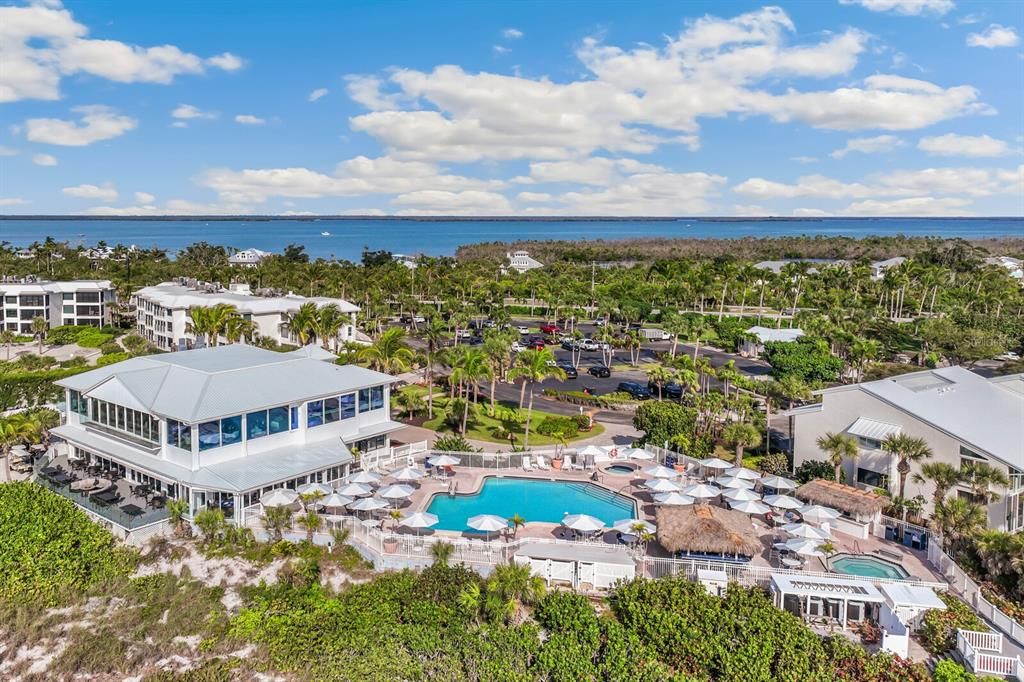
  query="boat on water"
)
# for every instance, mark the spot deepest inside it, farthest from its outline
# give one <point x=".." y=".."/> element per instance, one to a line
<point x="325" y="234"/>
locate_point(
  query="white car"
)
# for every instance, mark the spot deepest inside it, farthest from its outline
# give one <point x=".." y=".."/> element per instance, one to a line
<point x="600" y="321"/>
<point x="523" y="329"/>
<point x="589" y="344"/>
<point x="1009" y="356"/>
<point x="517" y="347"/>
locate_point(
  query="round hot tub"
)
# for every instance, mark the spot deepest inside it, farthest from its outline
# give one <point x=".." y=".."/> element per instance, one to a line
<point x="620" y="469"/>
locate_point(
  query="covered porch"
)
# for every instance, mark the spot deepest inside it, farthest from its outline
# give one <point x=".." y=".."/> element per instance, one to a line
<point x="831" y="602"/>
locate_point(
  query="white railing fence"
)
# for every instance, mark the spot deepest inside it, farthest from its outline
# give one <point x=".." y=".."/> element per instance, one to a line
<point x="976" y="648"/>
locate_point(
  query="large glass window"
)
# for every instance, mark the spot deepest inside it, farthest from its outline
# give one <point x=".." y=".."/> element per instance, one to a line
<point x="872" y="478"/>
<point x="256" y="424"/>
<point x="364" y="400"/>
<point x="314" y="413"/>
<point x="376" y="397"/>
<point x="295" y="417"/>
<point x="209" y="435"/>
<point x="278" y="419"/>
<point x="231" y="430"/>
<point x="185" y="439"/>
<point x="348" y="405"/>
<point x="332" y="410"/>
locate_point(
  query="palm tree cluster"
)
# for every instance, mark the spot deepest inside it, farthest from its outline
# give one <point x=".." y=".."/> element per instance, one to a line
<point x="24" y="428"/>
<point x="221" y="320"/>
<point x="311" y="323"/>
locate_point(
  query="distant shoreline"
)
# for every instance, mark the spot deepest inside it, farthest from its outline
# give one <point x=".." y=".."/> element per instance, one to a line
<point x="499" y="219"/>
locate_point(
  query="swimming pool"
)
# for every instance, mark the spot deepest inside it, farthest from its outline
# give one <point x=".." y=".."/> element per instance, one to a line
<point x="533" y="499"/>
<point x="867" y="566"/>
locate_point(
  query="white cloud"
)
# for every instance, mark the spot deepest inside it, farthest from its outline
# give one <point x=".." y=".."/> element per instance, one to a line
<point x="750" y="210"/>
<point x="40" y="45"/>
<point x="512" y="34"/>
<point x="534" y="197"/>
<point x="179" y="124"/>
<point x="144" y="198"/>
<point x="226" y="62"/>
<point x="868" y="145"/>
<point x="440" y="202"/>
<point x="44" y="160"/>
<point x="804" y="159"/>
<point x="317" y="94"/>
<point x="7" y="151"/>
<point x="914" y="206"/>
<point x="13" y="201"/>
<point x="590" y="171"/>
<point x="994" y="36"/>
<point x="646" y="194"/>
<point x="92" y="192"/>
<point x="188" y="112"/>
<point x="98" y="123"/>
<point x="810" y="213"/>
<point x="952" y="144"/>
<point x="172" y="207"/>
<point x="501" y="49"/>
<point x="249" y="120"/>
<point x="367" y="91"/>
<point x="908" y="7"/>
<point x="973" y="18"/>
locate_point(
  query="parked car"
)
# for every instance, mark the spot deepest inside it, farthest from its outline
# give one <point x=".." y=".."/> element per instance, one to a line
<point x="654" y="334"/>
<point x="535" y="344"/>
<point x="550" y="329"/>
<point x="634" y="389"/>
<point x="516" y="347"/>
<point x="570" y="371"/>
<point x="523" y="329"/>
<point x="670" y="390"/>
<point x="568" y="344"/>
<point x="465" y="333"/>
<point x="589" y="345"/>
<point x="600" y="321"/>
<point x="600" y="371"/>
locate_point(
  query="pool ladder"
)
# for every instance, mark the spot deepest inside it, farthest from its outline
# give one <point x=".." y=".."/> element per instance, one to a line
<point x="453" y="487"/>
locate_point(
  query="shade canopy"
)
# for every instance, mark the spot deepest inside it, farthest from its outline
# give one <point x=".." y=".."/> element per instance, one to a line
<point x="802" y="530"/>
<point x="368" y="504"/>
<point x="419" y="520"/>
<point x="637" y="453"/>
<point x="354" y="490"/>
<point x="706" y="529"/>
<point x="674" y="499"/>
<point x="715" y="463"/>
<point x="661" y="472"/>
<point x="802" y="546"/>
<point x="734" y="482"/>
<point x="778" y="482"/>
<point x="782" y="502"/>
<point x="853" y="501"/>
<point x="750" y="507"/>
<point x="818" y="513"/>
<point x="408" y="474"/>
<point x="364" y="477"/>
<point x="281" y="497"/>
<point x="487" y="523"/>
<point x="744" y="473"/>
<point x="702" y="491"/>
<point x="661" y="485"/>
<point x="336" y="500"/>
<point x="315" y="489"/>
<point x="443" y="461"/>
<point x="592" y="451"/>
<point x="583" y="522"/>
<point x="741" y="495"/>
<point x="632" y="526"/>
<point x="395" y="491"/>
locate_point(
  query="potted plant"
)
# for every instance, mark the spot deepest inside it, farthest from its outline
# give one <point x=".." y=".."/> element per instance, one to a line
<point x="558" y="459"/>
<point x="391" y="541"/>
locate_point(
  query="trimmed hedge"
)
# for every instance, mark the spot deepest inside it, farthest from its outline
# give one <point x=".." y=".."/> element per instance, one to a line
<point x="28" y="389"/>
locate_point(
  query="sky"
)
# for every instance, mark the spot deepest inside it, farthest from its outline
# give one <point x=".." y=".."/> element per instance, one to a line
<point x="812" y="108"/>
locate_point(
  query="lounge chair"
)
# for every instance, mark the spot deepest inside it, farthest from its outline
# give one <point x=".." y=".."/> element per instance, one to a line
<point x="570" y="463"/>
<point x="526" y="463"/>
<point x="542" y="463"/>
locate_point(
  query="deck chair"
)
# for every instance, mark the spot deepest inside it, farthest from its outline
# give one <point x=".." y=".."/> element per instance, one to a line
<point x="572" y="463"/>
<point x="542" y="463"/>
<point x="526" y="463"/>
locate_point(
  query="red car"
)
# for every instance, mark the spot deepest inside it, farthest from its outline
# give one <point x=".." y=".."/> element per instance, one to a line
<point x="550" y="329"/>
<point x="536" y="344"/>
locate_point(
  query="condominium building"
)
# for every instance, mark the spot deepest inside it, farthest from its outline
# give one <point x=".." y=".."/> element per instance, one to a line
<point x="82" y="302"/>
<point x="162" y="311"/>
<point x="220" y="426"/>
<point x="963" y="417"/>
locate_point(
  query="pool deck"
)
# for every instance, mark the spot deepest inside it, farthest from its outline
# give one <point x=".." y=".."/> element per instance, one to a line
<point x="469" y="480"/>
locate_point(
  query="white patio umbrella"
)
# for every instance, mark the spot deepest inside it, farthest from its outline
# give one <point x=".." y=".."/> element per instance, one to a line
<point x="637" y="453"/>
<point x="419" y="520"/>
<point x="629" y="526"/>
<point x="354" y="490"/>
<point x="783" y="502"/>
<point x="281" y="497"/>
<point x="487" y="523"/>
<point x="778" y="482"/>
<point x="715" y="463"/>
<point x="443" y="461"/>
<point x="395" y="491"/>
<point x="407" y="474"/>
<point x="661" y="472"/>
<point x="733" y="482"/>
<point x="336" y="500"/>
<point x="314" y="488"/>
<point x="802" y="546"/>
<point x="701" y="491"/>
<point x="674" y="499"/>
<point x="802" y="530"/>
<point x="816" y="513"/>
<point x="583" y="523"/>
<point x="368" y="504"/>
<point x="591" y="451"/>
<point x="741" y="495"/>
<point x="662" y="485"/>
<point x="744" y="473"/>
<point x="364" y="477"/>
<point x="750" y="506"/>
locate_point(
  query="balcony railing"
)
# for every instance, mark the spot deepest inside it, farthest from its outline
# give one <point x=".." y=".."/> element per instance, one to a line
<point x="110" y="513"/>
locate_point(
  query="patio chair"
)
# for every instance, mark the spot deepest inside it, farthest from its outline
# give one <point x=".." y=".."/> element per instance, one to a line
<point x="542" y="463"/>
<point x="526" y="463"/>
<point x="572" y="463"/>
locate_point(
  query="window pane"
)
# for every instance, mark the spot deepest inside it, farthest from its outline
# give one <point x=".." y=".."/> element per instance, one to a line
<point x="348" y="405"/>
<point x="278" y="419"/>
<point x="364" y="400"/>
<point x="295" y="418"/>
<point x="314" y="413"/>
<point x="185" y="443"/>
<point x="231" y="430"/>
<point x="331" y="410"/>
<point x="376" y="397"/>
<point x="209" y="435"/>
<point x="256" y="424"/>
<point x="173" y="428"/>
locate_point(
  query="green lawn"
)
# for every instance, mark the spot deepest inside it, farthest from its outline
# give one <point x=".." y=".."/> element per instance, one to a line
<point x="482" y="427"/>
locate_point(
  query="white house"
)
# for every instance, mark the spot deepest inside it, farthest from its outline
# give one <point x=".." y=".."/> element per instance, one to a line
<point x="751" y="348"/>
<point x="249" y="258"/>
<point x="962" y="416"/>
<point x="162" y="311"/>
<point x="220" y="426"/>
<point x="878" y="268"/>
<point x="520" y="261"/>
<point x="1015" y="266"/>
<point x="81" y="302"/>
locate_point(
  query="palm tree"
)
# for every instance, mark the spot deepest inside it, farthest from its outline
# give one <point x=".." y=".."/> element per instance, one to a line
<point x="942" y="475"/>
<point x="389" y="352"/>
<point x="39" y="328"/>
<point x="675" y="325"/>
<point x="329" y="321"/>
<point x="237" y="328"/>
<point x="982" y="476"/>
<point x="434" y="334"/>
<point x="515" y="586"/>
<point x="742" y="436"/>
<point x="517" y="522"/>
<point x="442" y="552"/>
<point x="534" y="366"/>
<point x="15" y="429"/>
<point x="7" y="338"/>
<point x="471" y="366"/>
<point x="311" y="522"/>
<point x="302" y="323"/>
<point x="840" y="448"/>
<point x="862" y="352"/>
<point x="659" y="375"/>
<point x="497" y="347"/>
<point x="907" y="449"/>
<point x="176" y="511"/>
<point x="277" y="520"/>
<point x="958" y="519"/>
<point x="210" y="322"/>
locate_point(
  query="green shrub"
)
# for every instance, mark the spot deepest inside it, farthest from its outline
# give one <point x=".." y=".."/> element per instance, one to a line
<point x="93" y="338"/>
<point x="812" y="469"/>
<point x="28" y="389"/>
<point x="948" y="670"/>
<point x="565" y="426"/>
<point x="111" y="347"/>
<point x="51" y="548"/>
<point x="134" y="343"/>
<point x="112" y="358"/>
<point x="938" y="629"/>
<point x="63" y="335"/>
<point x="773" y="463"/>
<point x="77" y="361"/>
<point x="453" y="442"/>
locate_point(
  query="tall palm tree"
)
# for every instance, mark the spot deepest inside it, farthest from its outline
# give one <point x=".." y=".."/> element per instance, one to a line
<point x="907" y="450"/>
<point x="982" y="477"/>
<point x="839" y="447"/>
<point x="389" y="352"/>
<point x="863" y="351"/>
<point x="471" y="366"/>
<point x="302" y="323"/>
<point x="237" y="328"/>
<point x="659" y="375"/>
<point x="498" y="348"/>
<point x="210" y="322"/>
<point x="15" y="429"/>
<point x="7" y="338"/>
<point x="959" y="519"/>
<point x="940" y="474"/>
<point x="39" y="329"/>
<point x="434" y="334"/>
<point x="534" y="366"/>
<point x="329" y="321"/>
<point x="277" y="520"/>
<point x="742" y="436"/>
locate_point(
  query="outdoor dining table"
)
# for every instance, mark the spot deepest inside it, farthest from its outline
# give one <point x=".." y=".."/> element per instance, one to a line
<point x="132" y="510"/>
<point x="60" y="478"/>
<point x="106" y="497"/>
<point x="790" y="562"/>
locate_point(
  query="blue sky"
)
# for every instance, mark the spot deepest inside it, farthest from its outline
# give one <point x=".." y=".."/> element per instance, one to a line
<point x="824" y="107"/>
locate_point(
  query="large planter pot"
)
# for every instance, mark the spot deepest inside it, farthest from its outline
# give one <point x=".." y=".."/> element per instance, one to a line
<point x="679" y="467"/>
<point x="556" y="463"/>
<point x="390" y="545"/>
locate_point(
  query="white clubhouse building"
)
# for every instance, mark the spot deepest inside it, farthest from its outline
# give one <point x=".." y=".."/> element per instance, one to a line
<point x="83" y="302"/>
<point x="220" y="426"/>
<point x="162" y="311"/>
<point x="962" y="416"/>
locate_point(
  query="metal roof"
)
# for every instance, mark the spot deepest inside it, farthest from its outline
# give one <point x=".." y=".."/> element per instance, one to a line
<point x="829" y="588"/>
<point x="180" y="296"/>
<point x="901" y="594"/>
<point x="598" y="554"/>
<point x="766" y="334"/>
<point x="197" y="385"/>
<point x="869" y="428"/>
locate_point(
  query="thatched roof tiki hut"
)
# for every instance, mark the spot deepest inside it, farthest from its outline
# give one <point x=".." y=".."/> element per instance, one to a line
<point x="703" y="531"/>
<point x="862" y="505"/>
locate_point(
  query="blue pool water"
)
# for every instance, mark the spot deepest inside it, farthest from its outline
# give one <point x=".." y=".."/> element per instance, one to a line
<point x="867" y="566"/>
<point x="534" y="500"/>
